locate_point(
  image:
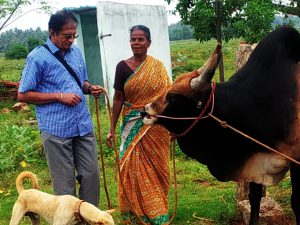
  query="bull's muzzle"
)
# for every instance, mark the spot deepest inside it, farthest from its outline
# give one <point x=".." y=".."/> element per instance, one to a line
<point x="148" y="115"/>
<point x="143" y="113"/>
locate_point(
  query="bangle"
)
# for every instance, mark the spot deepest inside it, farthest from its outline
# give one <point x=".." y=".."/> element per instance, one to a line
<point x="61" y="95"/>
<point x="89" y="90"/>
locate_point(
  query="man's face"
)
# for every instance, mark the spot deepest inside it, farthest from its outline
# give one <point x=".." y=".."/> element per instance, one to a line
<point x="65" y="38"/>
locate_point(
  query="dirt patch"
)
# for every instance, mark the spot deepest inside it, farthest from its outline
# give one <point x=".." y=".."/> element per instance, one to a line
<point x="8" y="89"/>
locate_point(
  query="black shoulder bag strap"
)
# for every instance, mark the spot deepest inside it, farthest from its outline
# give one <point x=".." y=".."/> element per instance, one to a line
<point x="66" y="65"/>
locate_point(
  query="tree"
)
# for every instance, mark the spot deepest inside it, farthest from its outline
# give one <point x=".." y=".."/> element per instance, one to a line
<point x="250" y="19"/>
<point x="179" y="31"/>
<point x="32" y="43"/>
<point x="18" y="36"/>
<point x="11" y="10"/>
<point x="16" y="52"/>
<point x="288" y="7"/>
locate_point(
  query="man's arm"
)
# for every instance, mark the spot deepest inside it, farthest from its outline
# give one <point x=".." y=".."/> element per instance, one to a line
<point x="34" y="97"/>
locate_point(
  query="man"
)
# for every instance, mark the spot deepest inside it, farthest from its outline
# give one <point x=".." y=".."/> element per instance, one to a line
<point x="62" y="113"/>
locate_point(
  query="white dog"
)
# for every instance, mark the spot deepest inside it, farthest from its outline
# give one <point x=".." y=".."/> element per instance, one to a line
<point x="56" y="210"/>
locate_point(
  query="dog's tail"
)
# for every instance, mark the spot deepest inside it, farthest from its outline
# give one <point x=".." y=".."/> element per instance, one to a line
<point x="22" y="176"/>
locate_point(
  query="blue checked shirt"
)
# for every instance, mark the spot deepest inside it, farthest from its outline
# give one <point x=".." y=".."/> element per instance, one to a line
<point x="44" y="73"/>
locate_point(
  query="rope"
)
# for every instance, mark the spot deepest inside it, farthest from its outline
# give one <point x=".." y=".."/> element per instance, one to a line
<point x="77" y="214"/>
<point x="222" y="123"/>
<point x="101" y="153"/>
<point x="117" y="157"/>
<point x="119" y="170"/>
<point x="201" y="116"/>
<point x="175" y="181"/>
<point x="225" y="125"/>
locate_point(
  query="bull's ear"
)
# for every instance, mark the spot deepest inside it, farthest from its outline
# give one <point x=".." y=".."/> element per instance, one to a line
<point x="207" y="71"/>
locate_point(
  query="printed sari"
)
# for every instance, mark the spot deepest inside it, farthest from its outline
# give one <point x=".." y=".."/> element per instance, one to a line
<point x="144" y="151"/>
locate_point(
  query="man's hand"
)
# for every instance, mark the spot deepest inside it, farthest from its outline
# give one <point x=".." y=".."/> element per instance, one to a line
<point x="96" y="90"/>
<point x="70" y="99"/>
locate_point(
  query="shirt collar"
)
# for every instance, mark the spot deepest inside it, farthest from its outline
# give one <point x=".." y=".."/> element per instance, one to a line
<point x="53" y="48"/>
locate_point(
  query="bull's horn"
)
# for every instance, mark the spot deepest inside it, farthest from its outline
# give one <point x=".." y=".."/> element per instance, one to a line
<point x="207" y="71"/>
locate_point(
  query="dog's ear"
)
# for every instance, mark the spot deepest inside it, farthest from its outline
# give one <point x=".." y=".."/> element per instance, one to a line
<point x="110" y="211"/>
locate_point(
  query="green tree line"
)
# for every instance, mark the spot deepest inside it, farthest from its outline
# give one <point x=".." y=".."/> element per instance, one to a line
<point x="16" y="43"/>
<point x="179" y="31"/>
<point x="21" y="37"/>
<point x="247" y="19"/>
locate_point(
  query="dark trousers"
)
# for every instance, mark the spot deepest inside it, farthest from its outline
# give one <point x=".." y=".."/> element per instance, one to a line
<point x="67" y="157"/>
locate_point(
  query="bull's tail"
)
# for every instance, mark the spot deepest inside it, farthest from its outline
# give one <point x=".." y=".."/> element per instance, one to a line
<point x="22" y="176"/>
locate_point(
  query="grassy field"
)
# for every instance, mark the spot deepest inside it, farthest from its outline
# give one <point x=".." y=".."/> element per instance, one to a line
<point x="199" y="193"/>
<point x="189" y="55"/>
<point x="11" y="69"/>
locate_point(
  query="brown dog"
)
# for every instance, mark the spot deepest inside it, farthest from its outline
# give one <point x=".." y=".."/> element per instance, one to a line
<point x="56" y="210"/>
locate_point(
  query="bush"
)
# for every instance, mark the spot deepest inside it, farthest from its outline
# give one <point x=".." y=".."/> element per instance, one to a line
<point x="32" y="43"/>
<point x="16" y="52"/>
<point x="19" y="146"/>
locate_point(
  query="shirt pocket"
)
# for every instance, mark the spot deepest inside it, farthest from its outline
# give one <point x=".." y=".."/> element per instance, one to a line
<point x="59" y="79"/>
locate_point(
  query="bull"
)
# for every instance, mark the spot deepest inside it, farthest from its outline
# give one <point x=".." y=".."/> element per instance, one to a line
<point x="262" y="99"/>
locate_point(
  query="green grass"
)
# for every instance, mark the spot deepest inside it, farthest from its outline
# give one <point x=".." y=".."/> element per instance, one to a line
<point x="198" y="192"/>
<point x="189" y="55"/>
<point x="11" y="69"/>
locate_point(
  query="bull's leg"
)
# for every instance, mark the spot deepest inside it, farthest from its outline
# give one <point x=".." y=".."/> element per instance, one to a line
<point x="295" y="200"/>
<point x="255" y="193"/>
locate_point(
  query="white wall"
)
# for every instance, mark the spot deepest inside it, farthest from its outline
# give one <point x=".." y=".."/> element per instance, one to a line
<point x="79" y="40"/>
<point x="116" y="19"/>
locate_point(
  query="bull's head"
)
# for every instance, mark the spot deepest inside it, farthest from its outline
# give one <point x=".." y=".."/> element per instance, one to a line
<point x="185" y="98"/>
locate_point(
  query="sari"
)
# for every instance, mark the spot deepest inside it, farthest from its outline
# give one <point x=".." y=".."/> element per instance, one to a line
<point x="144" y="150"/>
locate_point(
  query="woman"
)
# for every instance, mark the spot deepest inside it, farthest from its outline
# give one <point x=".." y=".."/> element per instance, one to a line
<point x="144" y="151"/>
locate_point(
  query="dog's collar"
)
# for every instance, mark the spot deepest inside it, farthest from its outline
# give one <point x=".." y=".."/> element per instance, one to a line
<point x="77" y="215"/>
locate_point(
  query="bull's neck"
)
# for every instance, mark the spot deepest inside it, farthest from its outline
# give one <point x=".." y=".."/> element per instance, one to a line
<point x="226" y="97"/>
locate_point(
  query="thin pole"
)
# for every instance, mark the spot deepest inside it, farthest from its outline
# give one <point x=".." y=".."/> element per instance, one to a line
<point x="219" y="37"/>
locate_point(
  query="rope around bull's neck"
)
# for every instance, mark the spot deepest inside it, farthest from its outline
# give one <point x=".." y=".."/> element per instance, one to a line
<point x="224" y="124"/>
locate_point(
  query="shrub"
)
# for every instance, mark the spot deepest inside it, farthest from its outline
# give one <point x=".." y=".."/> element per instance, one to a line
<point x="16" y="52"/>
<point x="19" y="145"/>
<point x="32" y="43"/>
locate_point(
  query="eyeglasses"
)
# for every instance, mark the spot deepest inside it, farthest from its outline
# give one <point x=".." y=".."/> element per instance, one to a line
<point x="69" y="36"/>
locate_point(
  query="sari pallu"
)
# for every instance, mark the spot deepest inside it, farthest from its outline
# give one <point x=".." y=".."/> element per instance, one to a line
<point x="144" y="151"/>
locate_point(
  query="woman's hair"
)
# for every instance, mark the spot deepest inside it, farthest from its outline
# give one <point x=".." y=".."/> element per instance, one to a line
<point x="59" y="19"/>
<point x="143" y="28"/>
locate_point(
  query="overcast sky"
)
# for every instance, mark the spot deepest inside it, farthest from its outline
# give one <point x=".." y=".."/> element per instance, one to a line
<point x="35" y="19"/>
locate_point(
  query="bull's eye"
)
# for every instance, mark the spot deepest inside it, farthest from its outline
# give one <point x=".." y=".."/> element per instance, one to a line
<point x="171" y="98"/>
<point x="178" y="101"/>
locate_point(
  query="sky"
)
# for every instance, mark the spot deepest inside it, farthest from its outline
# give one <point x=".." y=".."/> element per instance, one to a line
<point x="36" y="19"/>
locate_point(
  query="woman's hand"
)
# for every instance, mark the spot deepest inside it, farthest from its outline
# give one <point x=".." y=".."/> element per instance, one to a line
<point x="109" y="138"/>
<point x="95" y="90"/>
